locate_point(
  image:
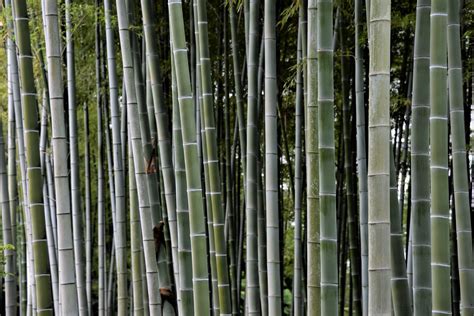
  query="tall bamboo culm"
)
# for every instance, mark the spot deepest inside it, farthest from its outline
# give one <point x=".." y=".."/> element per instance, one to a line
<point x="120" y="240"/>
<point x="327" y="173"/>
<point x="252" y="286"/>
<point x="298" y="250"/>
<point x="76" y="208"/>
<point x="271" y="162"/>
<point x="361" y="149"/>
<point x="440" y="250"/>
<point x="43" y="296"/>
<point x="312" y="166"/>
<point x="379" y="159"/>
<point x="460" y="170"/>
<point x="420" y="163"/>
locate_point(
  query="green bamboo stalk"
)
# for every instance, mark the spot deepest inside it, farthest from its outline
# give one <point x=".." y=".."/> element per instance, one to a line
<point x="7" y="237"/>
<point x="139" y="164"/>
<point x="440" y="255"/>
<point x="312" y="166"/>
<point x="379" y="161"/>
<point x="204" y="163"/>
<point x="194" y="191"/>
<point x="101" y="243"/>
<point x="135" y="242"/>
<point x="210" y="132"/>
<point x="68" y="289"/>
<point x="251" y="270"/>
<point x="238" y="86"/>
<point x="420" y="173"/>
<point x="327" y="174"/>
<point x="74" y="161"/>
<point x="399" y="282"/>
<point x="35" y="201"/>
<point x="298" y="251"/>
<point x="52" y="246"/>
<point x="460" y="171"/>
<point x="182" y="209"/>
<point x="11" y="292"/>
<point x="271" y="162"/>
<point x="118" y="176"/>
<point x="361" y="150"/>
<point x="349" y="178"/>
<point x="87" y="198"/>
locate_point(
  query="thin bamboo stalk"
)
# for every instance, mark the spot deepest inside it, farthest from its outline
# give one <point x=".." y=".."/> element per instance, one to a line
<point x="399" y="281"/>
<point x="118" y="173"/>
<point x="361" y="150"/>
<point x="7" y="237"/>
<point x="298" y="256"/>
<point x="460" y="171"/>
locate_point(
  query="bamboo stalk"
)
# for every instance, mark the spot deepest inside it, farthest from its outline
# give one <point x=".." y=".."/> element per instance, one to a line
<point x="379" y="162"/>
<point x="440" y="254"/>
<point x="43" y="297"/>
<point x="420" y="191"/>
<point x="460" y="171"/>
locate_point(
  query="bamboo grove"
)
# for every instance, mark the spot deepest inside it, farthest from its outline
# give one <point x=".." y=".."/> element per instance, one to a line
<point x="238" y="157"/>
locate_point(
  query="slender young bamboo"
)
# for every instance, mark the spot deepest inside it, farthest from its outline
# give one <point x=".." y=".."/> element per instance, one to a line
<point x="35" y="200"/>
<point x="194" y="191"/>
<point x="261" y="214"/>
<point x="460" y="173"/>
<point x="101" y="211"/>
<point x="252" y="285"/>
<point x="119" y="183"/>
<point x="440" y="255"/>
<point x="50" y="232"/>
<point x="379" y="161"/>
<point x="298" y="251"/>
<point x="7" y="237"/>
<point x="12" y="200"/>
<point x="210" y="132"/>
<point x="420" y="172"/>
<point x="361" y="151"/>
<point x="135" y="242"/>
<point x="87" y="197"/>
<point x="349" y="178"/>
<point x="312" y="166"/>
<point x="74" y="160"/>
<point x="238" y="86"/>
<point x="186" y="306"/>
<point x="271" y="162"/>
<point x="327" y="174"/>
<point x="399" y="282"/>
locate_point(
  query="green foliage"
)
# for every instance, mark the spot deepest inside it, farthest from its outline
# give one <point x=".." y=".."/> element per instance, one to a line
<point x="3" y="248"/>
